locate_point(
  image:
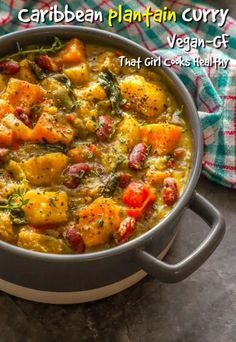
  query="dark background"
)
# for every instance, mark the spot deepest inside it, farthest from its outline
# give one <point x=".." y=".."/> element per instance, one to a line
<point x="200" y="309"/>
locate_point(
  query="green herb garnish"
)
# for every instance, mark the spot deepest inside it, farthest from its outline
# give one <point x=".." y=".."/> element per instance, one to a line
<point x="100" y="222"/>
<point x="38" y="72"/>
<point x="155" y="206"/>
<point x="112" y="180"/>
<point x="52" y="202"/>
<point x="96" y="172"/>
<point x="76" y="104"/>
<point x="122" y="140"/>
<point x="56" y="46"/>
<point x="111" y="86"/>
<point x="110" y="185"/>
<point x="58" y="147"/>
<point x="13" y="205"/>
<point x="89" y="154"/>
<point x="149" y="149"/>
<point x="78" y="175"/>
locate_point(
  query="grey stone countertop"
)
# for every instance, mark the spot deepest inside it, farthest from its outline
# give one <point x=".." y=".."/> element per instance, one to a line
<point x="200" y="309"/>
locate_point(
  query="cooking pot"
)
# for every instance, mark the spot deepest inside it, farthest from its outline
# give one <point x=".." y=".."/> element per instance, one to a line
<point x="79" y="278"/>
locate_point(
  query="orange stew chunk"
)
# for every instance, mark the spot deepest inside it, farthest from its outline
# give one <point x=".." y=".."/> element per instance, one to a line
<point x="163" y="137"/>
<point x="98" y="221"/>
<point x="23" y="94"/>
<point x="52" y="130"/>
<point x="74" y="52"/>
<point x="138" y="196"/>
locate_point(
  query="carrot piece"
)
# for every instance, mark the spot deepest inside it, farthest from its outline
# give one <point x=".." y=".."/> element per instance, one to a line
<point x="23" y="94"/>
<point x="49" y="128"/>
<point x="138" y="196"/>
<point x="137" y="212"/>
<point x="135" y="194"/>
<point x="6" y="136"/>
<point x="74" y="52"/>
<point x="163" y="137"/>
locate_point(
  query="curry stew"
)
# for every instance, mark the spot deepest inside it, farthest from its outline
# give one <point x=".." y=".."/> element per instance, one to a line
<point x="92" y="154"/>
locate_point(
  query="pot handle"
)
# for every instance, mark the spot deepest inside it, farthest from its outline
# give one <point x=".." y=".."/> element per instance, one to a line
<point x="174" y="273"/>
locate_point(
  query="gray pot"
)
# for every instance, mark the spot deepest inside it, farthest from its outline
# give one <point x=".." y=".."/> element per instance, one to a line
<point x="77" y="278"/>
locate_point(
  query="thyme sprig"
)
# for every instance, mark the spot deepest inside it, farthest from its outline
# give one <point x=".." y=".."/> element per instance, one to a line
<point x="56" y="46"/>
<point x="13" y="205"/>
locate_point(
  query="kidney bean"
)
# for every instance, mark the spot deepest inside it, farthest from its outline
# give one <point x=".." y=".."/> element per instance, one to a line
<point x="71" y="182"/>
<point x="170" y="163"/>
<point x="78" y="169"/>
<point x="124" y="180"/>
<point x="74" y="173"/>
<point x="9" y="67"/>
<point x="44" y="62"/>
<point x="74" y="239"/>
<point x="170" y="191"/>
<point x="70" y="118"/>
<point x="125" y="230"/>
<point x="137" y="157"/>
<point x="19" y="113"/>
<point x="104" y="127"/>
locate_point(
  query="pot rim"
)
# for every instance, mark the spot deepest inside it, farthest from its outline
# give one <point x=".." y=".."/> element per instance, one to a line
<point x="196" y="163"/>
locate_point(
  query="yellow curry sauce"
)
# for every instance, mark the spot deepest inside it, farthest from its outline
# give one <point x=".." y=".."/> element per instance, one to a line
<point x="92" y="154"/>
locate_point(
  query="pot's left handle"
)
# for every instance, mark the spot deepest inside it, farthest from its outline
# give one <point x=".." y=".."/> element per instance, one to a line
<point x="174" y="273"/>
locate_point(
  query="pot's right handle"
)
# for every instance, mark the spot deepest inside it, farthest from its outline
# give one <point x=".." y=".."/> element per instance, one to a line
<point x="174" y="273"/>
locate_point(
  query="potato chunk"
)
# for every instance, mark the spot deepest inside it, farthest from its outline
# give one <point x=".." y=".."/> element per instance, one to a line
<point x="78" y="74"/>
<point x="25" y="73"/>
<point x="93" y="92"/>
<point x="6" y="230"/>
<point x="108" y="60"/>
<point x="46" y="207"/>
<point x="144" y="97"/>
<point x="128" y="132"/>
<point x="16" y="170"/>
<point x="19" y="129"/>
<point x="40" y="242"/>
<point x="98" y="221"/>
<point x="44" y="170"/>
<point x="23" y="94"/>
